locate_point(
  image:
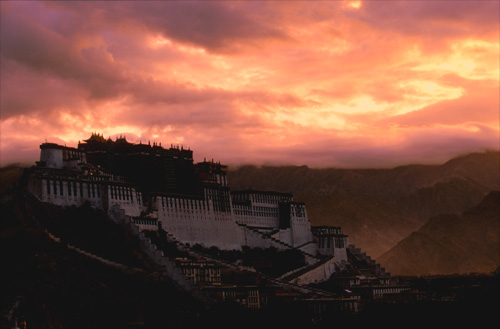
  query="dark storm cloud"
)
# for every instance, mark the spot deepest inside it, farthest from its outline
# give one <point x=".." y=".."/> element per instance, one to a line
<point x="214" y="26"/>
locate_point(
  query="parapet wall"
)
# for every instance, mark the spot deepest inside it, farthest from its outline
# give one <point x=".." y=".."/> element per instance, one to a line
<point x="64" y="192"/>
<point x="99" y="194"/>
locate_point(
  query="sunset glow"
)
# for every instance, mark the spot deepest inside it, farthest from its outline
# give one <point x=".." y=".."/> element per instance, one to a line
<point x="335" y="83"/>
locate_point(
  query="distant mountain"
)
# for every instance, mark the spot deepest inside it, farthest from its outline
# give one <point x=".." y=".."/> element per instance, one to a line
<point x="449" y="244"/>
<point x="378" y="208"/>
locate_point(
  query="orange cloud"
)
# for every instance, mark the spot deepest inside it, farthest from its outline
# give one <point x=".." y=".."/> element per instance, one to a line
<point x="351" y="83"/>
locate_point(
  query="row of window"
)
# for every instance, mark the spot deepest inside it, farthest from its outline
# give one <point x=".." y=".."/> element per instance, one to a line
<point x="90" y="190"/>
<point x="183" y="203"/>
<point x="379" y="293"/>
<point x="71" y="154"/>
<point x="275" y="199"/>
<point x="145" y="221"/>
<point x="266" y="209"/>
<point x="220" y="200"/>
<point x="300" y="210"/>
<point x="265" y="214"/>
<point x="121" y="193"/>
<point x="73" y="188"/>
<point x="243" y="212"/>
<point x="327" y="242"/>
<point x="327" y="230"/>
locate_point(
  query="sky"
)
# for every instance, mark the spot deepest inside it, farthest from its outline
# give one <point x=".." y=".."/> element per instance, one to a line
<point x="317" y="83"/>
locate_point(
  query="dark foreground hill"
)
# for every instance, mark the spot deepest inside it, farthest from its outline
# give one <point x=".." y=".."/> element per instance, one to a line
<point x="50" y="286"/>
<point x="378" y="208"/>
<point x="449" y="244"/>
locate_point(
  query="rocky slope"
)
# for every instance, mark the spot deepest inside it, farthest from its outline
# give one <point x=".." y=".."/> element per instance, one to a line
<point x="449" y="244"/>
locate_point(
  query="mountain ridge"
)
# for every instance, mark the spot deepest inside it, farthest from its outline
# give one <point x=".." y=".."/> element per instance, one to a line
<point x="378" y="208"/>
<point x="451" y="244"/>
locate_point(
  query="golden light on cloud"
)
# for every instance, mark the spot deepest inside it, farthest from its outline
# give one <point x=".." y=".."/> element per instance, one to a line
<point x="471" y="59"/>
<point x="354" y="4"/>
<point x="420" y="93"/>
<point x="429" y="90"/>
<point x="158" y="41"/>
<point x="121" y="130"/>
<point x="310" y="118"/>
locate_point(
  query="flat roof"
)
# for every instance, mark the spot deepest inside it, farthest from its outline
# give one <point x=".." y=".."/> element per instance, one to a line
<point x="262" y="192"/>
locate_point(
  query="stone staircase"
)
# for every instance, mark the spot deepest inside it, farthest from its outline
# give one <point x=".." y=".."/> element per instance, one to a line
<point x="307" y="255"/>
<point x="174" y="273"/>
<point x="167" y="266"/>
<point x="289" y="276"/>
<point x="220" y="262"/>
<point x="372" y="265"/>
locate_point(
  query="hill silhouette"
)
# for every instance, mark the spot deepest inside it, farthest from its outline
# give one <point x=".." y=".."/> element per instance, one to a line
<point x="449" y="244"/>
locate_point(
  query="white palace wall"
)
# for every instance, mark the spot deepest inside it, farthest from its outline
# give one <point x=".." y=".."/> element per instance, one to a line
<point x="100" y="194"/>
<point x="59" y="157"/>
<point x="194" y="221"/>
<point x="127" y="198"/>
<point x="53" y="157"/>
<point x="300" y="227"/>
<point x="64" y="192"/>
<point x="190" y="220"/>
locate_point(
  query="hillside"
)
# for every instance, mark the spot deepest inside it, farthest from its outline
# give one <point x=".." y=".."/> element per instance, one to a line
<point x="379" y="207"/>
<point x="50" y="286"/>
<point x="8" y="176"/>
<point x="449" y="244"/>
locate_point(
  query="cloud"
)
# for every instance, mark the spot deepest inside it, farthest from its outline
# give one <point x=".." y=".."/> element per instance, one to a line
<point x="214" y="26"/>
<point x="318" y="83"/>
<point x="430" y="19"/>
<point x="35" y="55"/>
<point x="479" y="104"/>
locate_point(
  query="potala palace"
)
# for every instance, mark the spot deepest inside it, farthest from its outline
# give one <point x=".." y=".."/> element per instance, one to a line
<point x="157" y="189"/>
<point x="163" y="187"/>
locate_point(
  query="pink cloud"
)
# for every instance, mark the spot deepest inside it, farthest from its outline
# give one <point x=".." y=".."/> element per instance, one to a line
<point x="246" y="82"/>
<point x="430" y="19"/>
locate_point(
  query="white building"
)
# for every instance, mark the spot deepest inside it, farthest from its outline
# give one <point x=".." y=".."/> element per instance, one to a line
<point x="213" y="216"/>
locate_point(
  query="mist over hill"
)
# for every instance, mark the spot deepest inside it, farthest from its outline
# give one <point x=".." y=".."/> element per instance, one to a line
<point x="449" y="243"/>
<point x="378" y="208"/>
